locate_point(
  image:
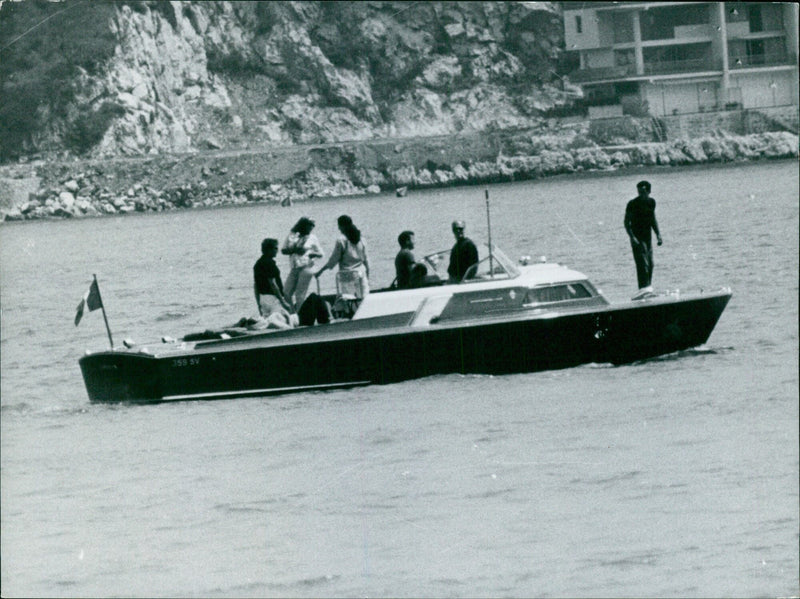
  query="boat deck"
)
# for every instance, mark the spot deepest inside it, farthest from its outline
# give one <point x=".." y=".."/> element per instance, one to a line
<point x="401" y="323"/>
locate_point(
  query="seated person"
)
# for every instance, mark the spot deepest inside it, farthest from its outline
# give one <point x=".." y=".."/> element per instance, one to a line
<point x="421" y="278"/>
<point x="268" y="289"/>
<point x="314" y="310"/>
<point x="417" y="276"/>
<point x="404" y="261"/>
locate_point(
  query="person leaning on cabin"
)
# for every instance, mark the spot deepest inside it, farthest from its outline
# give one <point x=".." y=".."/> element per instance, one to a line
<point x="463" y="255"/>
<point x="303" y="248"/>
<point x="640" y="218"/>
<point x="350" y="255"/>
<point x="404" y="261"/>
<point x="268" y="288"/>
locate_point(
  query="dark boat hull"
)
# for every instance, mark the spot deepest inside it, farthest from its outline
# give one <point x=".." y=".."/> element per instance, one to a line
<point x="387" y="351"/>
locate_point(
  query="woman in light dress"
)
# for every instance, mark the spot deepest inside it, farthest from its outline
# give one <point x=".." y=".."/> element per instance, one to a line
<point x="350" y="255"/>
<point x="303" y="248"/>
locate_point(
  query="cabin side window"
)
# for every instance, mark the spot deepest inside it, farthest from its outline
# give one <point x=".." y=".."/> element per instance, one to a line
<point x="578" y="24"/>
<point x="556" y="293"/>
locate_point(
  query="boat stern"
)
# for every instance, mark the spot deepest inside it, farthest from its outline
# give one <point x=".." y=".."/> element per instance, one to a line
<point x="117" y="376"/>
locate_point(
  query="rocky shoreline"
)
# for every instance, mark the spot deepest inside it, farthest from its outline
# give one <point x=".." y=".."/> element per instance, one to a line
<point x="155" y="184"/>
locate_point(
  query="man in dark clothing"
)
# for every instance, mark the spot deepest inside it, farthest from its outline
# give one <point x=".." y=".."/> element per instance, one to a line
<point x="267" y="284"/>
<point x="640" y="217"/>
<point x="463" y="255"/>
<point x="404" y="261"/>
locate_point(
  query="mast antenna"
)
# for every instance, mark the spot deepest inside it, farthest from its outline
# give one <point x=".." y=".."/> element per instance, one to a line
<point x="489" y="227"/>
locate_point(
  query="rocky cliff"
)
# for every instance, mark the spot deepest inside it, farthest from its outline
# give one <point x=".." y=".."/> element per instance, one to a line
<point x="123" y="106"/>
<point x="101" y="78"/>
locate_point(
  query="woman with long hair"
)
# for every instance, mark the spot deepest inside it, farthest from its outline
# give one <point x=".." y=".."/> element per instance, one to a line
<point x="350" y="255"/>
<point x="303" y="248"/>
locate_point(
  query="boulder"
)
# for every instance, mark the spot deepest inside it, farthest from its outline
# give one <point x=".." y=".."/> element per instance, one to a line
<point x="620" y="159"/>
<point x="556" y="162"/>
<point x="13" y="214"/>
<point x="460" y="174"/>
<point x="424" y="177"/>
<point x="780" y="145"/>
<point x="62" y="212"/>
<point x="693" y="149"/>
<point x="404" y="176"/>
<point x="454" y="30"/>
<point x="66" y="199"/>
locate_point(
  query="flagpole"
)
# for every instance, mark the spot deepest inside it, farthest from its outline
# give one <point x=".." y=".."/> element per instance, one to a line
<point x="103" y="308"/>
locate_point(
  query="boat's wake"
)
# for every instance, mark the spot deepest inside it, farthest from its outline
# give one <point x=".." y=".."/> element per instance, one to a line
<point x="700" y="350"/>
<point x="167" y="316"/>
<point x="693" y="352"/>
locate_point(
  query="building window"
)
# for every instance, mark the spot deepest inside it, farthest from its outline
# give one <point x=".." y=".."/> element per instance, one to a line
<point x="754" y="16"/>
<point x="623" y="28"/>
<point x="624" y="58"/>
<point x="578" y="24"/>
<point x="678" y="59"/>
<point x="772" y="17"/>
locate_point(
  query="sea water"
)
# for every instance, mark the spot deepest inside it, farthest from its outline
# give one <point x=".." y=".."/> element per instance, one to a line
<point x="673" y="477"/>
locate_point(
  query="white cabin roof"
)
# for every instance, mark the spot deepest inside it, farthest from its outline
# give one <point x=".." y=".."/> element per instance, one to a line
<point x="409" y="300"/>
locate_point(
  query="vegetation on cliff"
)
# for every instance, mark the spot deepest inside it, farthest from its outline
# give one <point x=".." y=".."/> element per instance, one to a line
<point x="43" y="48"/>
<point x="108" y="78"/>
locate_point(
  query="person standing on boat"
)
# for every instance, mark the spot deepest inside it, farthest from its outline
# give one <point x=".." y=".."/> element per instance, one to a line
<point x="640" y="218"/>
<point x="267" y="284"/>
<point x="350" y="255"/>
<point x="404" y="261"/>
<point x="463" y="255"/>
<point x="303" y="248"/>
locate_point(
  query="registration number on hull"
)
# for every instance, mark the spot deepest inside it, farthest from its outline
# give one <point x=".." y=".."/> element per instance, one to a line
<point x="181" y="362"/>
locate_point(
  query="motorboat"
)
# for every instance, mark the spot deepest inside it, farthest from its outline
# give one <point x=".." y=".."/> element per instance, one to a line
<point x="502" y="317"/>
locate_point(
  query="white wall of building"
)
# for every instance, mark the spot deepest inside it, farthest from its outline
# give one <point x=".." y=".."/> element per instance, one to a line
<point x="590" y="32"/>
<point x="769" y="88"/>
<point x="667" y="97"/>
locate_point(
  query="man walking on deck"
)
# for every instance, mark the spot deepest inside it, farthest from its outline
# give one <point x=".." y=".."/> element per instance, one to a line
<point x="640" y="218"/>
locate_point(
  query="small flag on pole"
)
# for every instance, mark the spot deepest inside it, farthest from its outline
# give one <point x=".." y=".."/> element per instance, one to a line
<point x="91" y="300"/>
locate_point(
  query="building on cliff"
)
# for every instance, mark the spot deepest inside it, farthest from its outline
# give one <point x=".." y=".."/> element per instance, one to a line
<point x="665" y="58"/>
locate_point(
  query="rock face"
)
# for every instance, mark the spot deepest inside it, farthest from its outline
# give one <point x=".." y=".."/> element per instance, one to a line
<point x="185" y="76"/>
<point x="149" y="105"/>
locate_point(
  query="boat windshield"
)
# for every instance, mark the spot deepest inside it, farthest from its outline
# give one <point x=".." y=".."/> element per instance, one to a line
<point x="497" y="266"/>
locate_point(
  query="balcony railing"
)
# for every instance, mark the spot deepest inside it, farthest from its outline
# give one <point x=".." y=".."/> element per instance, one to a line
<point x="665" y="67"/>
<point x="601" y="73"/>
<point x="761" y="60"/>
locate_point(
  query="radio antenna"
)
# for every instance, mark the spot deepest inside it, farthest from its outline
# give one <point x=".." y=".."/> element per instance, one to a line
<point x="489" y="227"/>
